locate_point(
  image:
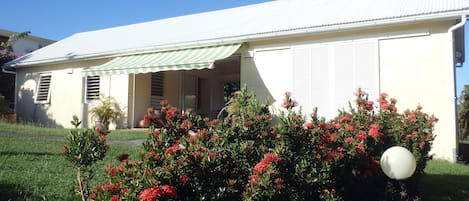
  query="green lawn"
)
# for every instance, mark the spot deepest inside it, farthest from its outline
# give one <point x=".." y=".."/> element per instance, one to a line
<point x="34" y="168"/>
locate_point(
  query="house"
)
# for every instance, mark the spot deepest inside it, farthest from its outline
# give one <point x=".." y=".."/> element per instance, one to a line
<point x="321" y="50"/>
<point x="26" y="44"/>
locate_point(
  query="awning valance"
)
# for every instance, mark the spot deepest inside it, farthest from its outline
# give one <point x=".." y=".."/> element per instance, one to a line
<point x="180" y="59"/>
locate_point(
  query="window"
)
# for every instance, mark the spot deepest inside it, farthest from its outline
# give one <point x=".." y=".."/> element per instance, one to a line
<point x="157" y="89"/>
<point x="92" y="88"/>
<point x="43" y="89"/>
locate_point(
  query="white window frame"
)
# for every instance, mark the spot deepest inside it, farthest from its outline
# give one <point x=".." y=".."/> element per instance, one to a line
<point x="87" y="88"/>
<point x="43" y="87"/>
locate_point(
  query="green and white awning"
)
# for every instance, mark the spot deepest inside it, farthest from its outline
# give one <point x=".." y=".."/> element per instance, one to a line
<point x="180" y="59"/>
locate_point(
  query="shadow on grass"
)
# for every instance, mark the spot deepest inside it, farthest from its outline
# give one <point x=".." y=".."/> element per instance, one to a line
<point x="14" y="192"/>
<point x="445" y="187"/>
<point x="14" y="153"/>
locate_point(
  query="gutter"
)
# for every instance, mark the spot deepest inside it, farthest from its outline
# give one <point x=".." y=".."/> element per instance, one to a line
<point x="8" y="71"/>
<point x="453" y="77"/>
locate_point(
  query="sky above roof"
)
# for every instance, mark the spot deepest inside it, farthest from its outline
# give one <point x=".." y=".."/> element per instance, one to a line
<point x="58" y="19"/>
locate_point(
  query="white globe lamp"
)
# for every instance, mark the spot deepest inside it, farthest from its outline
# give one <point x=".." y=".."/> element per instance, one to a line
<point x="398" y="163"/>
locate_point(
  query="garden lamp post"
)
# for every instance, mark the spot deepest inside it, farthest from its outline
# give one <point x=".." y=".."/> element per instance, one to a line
<point x="398" y="163"/>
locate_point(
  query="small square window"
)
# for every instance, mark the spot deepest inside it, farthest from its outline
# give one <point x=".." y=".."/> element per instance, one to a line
<point x="43" y="89"/>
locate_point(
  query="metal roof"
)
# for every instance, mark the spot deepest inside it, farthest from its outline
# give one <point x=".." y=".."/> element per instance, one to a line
<point x="242" y="24"/>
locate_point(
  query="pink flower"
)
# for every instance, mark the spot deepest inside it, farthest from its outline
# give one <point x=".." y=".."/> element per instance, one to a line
<point x="114" y="198"/>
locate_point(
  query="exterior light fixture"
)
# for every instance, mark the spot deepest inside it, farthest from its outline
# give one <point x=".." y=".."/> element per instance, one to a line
<point x="398" y="163"/>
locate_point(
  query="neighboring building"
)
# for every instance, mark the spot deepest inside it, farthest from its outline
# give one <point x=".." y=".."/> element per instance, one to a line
<point x="20" y="47"/>
<point x="24" y="45"/>
<point x="321" y="50"/>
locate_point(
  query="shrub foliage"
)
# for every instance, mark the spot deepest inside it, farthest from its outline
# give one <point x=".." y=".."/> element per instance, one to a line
<point x="245" y="156"/>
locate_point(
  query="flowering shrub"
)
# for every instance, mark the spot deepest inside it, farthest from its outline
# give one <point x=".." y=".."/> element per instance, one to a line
<point x="246" y="157"/>
<point x="84" y="148"/>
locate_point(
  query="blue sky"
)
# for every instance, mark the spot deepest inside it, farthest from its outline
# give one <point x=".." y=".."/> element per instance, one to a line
<point x="57" y="19"/>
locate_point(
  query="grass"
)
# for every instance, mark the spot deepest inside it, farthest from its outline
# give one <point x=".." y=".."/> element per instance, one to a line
<point x="445" y="181"/>
<point x="34" y="169"/>
<point x="28" y="128"/>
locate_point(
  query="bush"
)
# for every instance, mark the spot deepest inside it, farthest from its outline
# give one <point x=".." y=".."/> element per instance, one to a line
<point x="245" y="157"/>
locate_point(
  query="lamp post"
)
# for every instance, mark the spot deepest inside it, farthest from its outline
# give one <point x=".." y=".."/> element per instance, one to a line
<point x="398" y="163"/>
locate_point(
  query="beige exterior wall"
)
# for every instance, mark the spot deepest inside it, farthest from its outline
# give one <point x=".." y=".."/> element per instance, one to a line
<point x="66" y="98"/>
<point x="418" y="71"/>
<point x="412" y="64"/>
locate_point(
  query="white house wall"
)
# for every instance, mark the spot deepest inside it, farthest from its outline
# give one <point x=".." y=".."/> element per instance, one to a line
<point x="66" y="96"/>
<point x="417" y="71"/>
<point x="411" y="63"/>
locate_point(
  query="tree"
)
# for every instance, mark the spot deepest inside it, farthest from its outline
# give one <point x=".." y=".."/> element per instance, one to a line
<point x="463" y="113"/>
<point x="8" y="46"/>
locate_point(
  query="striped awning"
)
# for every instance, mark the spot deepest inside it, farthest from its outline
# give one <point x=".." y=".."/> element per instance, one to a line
<point x="180" y="59"/>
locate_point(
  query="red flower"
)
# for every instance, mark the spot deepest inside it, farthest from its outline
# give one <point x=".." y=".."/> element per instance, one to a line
<point x="248" y="123"/>
<point x="150" y="194"/>
<point x="271" y="157"/>
<point x="308" y="125"/>
<point x="156" y="132"/>
<point x="113" y="171"/>
<point x="183" y="179"/>
<point x="114" y="198"/>
<point x="360" y="147"/>
<point x="348" y="140"/>
<point x="213" y="123"/>
<point x="211" y="155"/>
<point x="412" y="117"/>
<point x="349" y="127"/>
<point x="361" y="135"/>
<point x="337" y="126"/>
<point x="173" y="149"/>
<point x="171" y="113"/>
<point x="345" y="119"/>
<point x="253" y="179"/>
<point x="260" y="167"/>
<point x="102" y="138"/>
<point x="374" y="131"/>
<point x="169" y="191"/>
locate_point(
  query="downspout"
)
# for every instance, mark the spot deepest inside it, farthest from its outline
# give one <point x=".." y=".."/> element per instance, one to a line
<point x="453" y="77"/>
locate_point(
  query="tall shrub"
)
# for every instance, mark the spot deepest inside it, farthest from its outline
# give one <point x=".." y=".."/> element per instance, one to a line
<point x="246" y="157"/>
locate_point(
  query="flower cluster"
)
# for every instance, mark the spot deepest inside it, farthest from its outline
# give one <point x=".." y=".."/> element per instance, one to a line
<point x="156" y="193"/>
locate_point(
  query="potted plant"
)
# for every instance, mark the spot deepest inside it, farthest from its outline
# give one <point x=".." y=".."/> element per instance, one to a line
<point x="108" y="111"/>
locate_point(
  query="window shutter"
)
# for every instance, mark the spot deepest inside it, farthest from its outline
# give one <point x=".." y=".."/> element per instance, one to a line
<point x="157" y="89"/>
<point x="43" y="89"/>
<point x="92" y="88"/>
